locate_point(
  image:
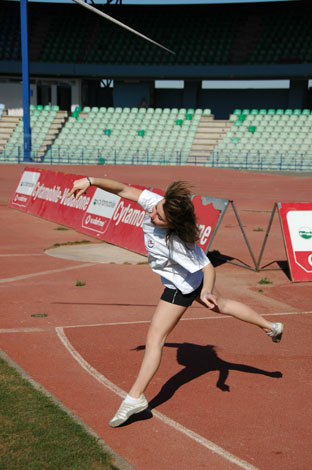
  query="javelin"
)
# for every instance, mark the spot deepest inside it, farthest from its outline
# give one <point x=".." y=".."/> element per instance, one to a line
<point x="98" y="12"/>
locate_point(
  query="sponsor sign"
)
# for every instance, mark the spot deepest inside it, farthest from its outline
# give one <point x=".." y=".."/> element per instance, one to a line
<point x="25" y="188"/>
<point x="296" y="222"/>
<point x="101" y="214"/>
<point x="100" y="211"/>
<point x="209" y="212"/>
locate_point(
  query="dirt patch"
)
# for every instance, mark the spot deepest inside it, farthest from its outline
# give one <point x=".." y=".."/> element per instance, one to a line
<point x="96" y="252"/>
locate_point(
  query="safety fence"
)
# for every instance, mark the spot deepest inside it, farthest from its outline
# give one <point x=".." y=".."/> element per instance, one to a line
<point x="80" y="155"/>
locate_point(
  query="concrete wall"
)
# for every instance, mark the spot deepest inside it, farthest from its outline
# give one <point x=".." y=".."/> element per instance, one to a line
<point x="132" y="94"/>
<point x="223" y="102"/>
<point x="11" y="95"/>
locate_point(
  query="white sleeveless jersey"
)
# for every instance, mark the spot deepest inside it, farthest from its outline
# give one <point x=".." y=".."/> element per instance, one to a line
<point x="178" y="265"/>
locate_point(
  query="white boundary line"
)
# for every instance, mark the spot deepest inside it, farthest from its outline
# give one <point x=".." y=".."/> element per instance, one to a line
<point x="43" y="273"/>
<point x="21" y="254"/>
<point x="218" y="317"/>
<point x="168" y="421"/>
<point x="138" y="322"/>
<point x="20" y="330"/>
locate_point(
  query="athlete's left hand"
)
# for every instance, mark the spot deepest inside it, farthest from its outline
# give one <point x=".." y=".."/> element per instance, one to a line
<point x="209" y="299"/>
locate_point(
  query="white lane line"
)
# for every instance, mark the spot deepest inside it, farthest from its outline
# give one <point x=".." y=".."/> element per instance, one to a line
<point x="20" y="330"/>
<point x="21" y="254"/>
<point x="168" y="421"/>
<point x="44" y="273"/>
<point x="86" y="366"/>
<point x="219" y="317"/>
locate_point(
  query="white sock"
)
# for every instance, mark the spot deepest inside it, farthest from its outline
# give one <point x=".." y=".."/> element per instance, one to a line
<point x="132" y="400"/>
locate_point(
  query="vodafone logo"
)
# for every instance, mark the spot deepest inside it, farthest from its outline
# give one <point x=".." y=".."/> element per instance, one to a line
<point x="310" y="259"/>
<point x="20" y="198"/>
<point x="150" y="243"/>
<point x="94" y="221"/>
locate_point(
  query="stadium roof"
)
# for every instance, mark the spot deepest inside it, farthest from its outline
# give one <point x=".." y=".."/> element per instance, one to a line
<point x="161" y="2"/>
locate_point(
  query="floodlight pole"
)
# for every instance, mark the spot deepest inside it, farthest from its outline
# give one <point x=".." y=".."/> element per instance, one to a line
<point x="25" y="79"/>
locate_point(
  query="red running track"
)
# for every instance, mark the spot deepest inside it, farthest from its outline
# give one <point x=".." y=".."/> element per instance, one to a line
<point x="225" y="397"/>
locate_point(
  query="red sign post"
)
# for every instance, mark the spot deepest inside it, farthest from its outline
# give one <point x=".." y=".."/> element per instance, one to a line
<point x="296" y="222"/>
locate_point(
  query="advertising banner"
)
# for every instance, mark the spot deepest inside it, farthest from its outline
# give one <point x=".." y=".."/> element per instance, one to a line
<point x="296" y="222"/>
<point x="100" y="214"/>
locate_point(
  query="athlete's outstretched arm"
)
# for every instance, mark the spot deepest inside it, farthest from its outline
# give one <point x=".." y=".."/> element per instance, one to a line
<point x="116" y="187"/>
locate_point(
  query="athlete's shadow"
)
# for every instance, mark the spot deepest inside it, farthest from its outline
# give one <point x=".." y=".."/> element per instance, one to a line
<point x="198" y="360"/>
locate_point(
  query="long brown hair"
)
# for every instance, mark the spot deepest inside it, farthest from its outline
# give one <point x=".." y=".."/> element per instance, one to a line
<point x="179" y="212"/>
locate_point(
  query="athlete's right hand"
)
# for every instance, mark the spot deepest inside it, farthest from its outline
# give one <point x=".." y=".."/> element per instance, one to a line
<point x="79" y="187"/>
<point x="209" y="299"/>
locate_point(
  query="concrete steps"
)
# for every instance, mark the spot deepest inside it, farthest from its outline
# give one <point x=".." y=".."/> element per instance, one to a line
<point x="53" y="132"/>
<point x="7" y="127"/>
<point x="209" y="133"/>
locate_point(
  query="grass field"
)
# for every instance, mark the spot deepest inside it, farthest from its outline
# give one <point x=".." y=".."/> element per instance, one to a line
<point x="36" y="434"/>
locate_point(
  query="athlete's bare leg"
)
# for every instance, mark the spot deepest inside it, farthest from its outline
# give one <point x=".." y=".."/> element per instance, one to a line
<point x="164" y="319"/>
<point x="239" y="310"/>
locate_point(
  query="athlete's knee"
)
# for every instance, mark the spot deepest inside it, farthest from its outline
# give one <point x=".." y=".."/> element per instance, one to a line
<point x="223" y="304"/>
<point x="154" y="341"/>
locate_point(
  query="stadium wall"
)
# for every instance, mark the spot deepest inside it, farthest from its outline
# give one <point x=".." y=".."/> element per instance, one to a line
<point x="133" y="94"/>
<point x="127" y="93"/>
<point x="223" y="102"/>
<point x="11" y="95"/>
<point x="165" y="98"/>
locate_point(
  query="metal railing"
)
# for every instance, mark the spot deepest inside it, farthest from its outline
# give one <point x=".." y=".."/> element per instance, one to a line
<point x="246" y="160"/>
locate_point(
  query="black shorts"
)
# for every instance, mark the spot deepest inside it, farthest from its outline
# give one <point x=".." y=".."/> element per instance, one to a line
<point x="175" y="296"/>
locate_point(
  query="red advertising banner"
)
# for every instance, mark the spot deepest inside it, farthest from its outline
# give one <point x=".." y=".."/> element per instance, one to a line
<point x="100" y="214"/>
<point x="296" y="222"/>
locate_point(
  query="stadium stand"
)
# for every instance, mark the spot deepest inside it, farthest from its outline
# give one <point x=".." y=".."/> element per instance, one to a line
<point x="7" y="126"/>
<point x="203" y="35"/>
<point x="46" y="122"/>
<point x="135" y="135"/>
<point x="211" y="41"/>
<point x="268" y="138"/>
<point x="262" y="139"/>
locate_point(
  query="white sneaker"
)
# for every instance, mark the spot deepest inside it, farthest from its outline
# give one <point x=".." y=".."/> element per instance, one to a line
<point x="276" y="332"/>
<point x="126" y="410"/>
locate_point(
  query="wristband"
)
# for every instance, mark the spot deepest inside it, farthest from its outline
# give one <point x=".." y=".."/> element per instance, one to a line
<point x="89" y="181"/>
